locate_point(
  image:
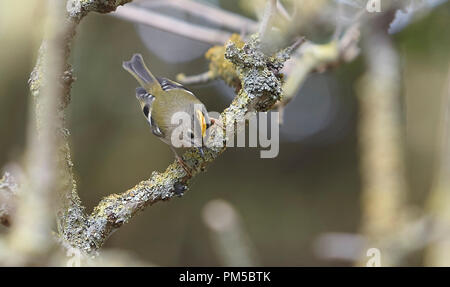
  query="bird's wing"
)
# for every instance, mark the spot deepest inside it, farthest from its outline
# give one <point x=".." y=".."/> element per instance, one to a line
<point x="147" y="109"/>
<point x="168" y="85"/>
<point x="155" y="128"/>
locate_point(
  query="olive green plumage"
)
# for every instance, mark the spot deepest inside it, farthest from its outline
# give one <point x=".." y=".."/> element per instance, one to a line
<point x="161" y="99"/>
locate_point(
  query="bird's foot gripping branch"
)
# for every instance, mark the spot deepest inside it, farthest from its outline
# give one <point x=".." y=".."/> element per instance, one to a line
<point x="261" y="83"/>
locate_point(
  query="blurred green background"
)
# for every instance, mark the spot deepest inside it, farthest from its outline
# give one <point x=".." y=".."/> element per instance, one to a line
<point x="311" y="188"/>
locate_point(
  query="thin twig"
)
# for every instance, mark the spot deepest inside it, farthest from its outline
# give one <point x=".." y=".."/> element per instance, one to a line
<point x="136" y="14"/>
<point x="283" y="12"/>
<point x="269" y="12"/>
<point x="217" y="16"/>
<point x="339" y="23"/>
<point x="195" y="79"/>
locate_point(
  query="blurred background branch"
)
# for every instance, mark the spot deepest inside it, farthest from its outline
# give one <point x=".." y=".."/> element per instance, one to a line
<point x="380" y="139"/>
<point x="438" y="206"/>
<point x="214" y="15"/>
<point x="47" y="172"/>
<point x="31" y="235"/>
<point x="8" y="194"/>
<point x="172" y="25"/>
<point x="230" y="238"/>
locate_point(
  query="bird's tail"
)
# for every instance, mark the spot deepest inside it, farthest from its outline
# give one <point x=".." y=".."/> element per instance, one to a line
<point x="139" y="70"/>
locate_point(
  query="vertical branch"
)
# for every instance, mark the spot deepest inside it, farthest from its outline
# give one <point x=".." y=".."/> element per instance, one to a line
<point x="52" y="76"/>
<point x="269" y="12"/>
<point x="31" y="233"/>
<point x="58" y="48"/>
<point x="48" y="183"/>
<point x="382" y="169"/>
<point x="438" y="254"/>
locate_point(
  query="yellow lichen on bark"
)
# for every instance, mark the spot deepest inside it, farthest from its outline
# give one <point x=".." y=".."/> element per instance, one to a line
<point x="222" y="68"/>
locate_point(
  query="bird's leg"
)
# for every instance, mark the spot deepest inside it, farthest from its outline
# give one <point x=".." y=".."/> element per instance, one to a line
<point x="181" y="162"/>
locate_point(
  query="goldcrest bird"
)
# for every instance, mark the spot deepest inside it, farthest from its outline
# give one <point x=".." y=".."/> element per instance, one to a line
<point x="160" y="99"/>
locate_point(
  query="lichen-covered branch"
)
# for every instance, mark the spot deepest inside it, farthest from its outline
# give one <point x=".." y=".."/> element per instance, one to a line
<point x="69" y="207"/>
<point x="77" y="9"/>
<point x="58" y="46"/>
<point x="261" y="87"/>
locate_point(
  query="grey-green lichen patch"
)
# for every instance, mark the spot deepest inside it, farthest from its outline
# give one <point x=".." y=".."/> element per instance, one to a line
<point x="259" y="73"/>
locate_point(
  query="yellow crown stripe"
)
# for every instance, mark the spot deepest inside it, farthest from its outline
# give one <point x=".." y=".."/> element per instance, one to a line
<point x="202" y="121"/>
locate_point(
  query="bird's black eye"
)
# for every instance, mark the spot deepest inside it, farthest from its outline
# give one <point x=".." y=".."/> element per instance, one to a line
<point x="146" y="110"/>
<point x="191" y="134"/>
